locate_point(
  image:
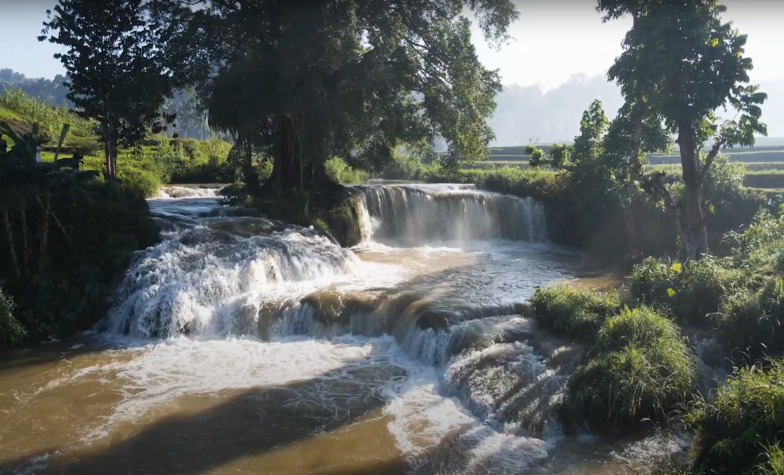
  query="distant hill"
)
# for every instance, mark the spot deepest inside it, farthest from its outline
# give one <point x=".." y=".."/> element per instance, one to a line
<point x="191" y="121"/>
<point x="50" y="91"/>
<point x="527" y="114"/>
<point x="524" y="114"/>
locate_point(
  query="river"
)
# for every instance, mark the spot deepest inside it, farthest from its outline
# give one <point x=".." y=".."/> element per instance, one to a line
<point x="245" y="345"/>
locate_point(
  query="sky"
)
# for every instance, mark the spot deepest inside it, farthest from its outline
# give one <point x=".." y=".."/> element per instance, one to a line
<point x="557" y="39"/>
<point x="552" y="41"/>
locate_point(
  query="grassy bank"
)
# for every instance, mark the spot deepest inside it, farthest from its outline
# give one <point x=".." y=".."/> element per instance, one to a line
<point x="639" y="371"/>
<point x="158" y="160"/>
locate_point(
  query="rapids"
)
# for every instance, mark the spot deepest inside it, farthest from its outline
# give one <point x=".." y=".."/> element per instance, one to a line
<point x="241" y="344"/>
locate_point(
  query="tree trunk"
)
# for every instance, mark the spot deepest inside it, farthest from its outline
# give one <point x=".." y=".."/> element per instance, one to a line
<point x="287" y="167"/>
<point x="693" y="229"/>
<point x="632" y="211"/>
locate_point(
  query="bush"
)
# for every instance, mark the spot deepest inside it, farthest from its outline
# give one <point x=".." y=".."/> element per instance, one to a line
<point x="639" y="368"/>
<point x="65" y="239"/>
<point x="692" y="291"/>
<point x="574" y="312"/>
<point x="774" y="461"/>
<point x="746" y="417"/>
<point x="140" y="182"/>
<point x="760" y="247"/>
<point x="11" y="331"/>
<point x="751" y="322"/>
<point x="340" y="172"/>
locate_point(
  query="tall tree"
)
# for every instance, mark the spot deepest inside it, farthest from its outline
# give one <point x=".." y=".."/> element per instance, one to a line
<point x="120" y="68"/>
<point x="633" y="133"/>
<point x="682" y="62"/>
<point x="593" y="125"/>
<point x="304" y="81"/>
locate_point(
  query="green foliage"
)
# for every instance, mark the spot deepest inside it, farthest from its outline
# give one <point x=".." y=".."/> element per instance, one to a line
<point x="538" y="183"/>
<point x="751" y="323"/>
<point x="338" y="78"/>
<point x="140" y="182"/>
<point x="760" y="247"/>
<point x="12" y="332"/>
<point x="638" y="369"/>
<point x="745" y="419"/>
<point x="774" y="461"/>
<point x="680" y="64"/>
<point x="559" y="155"/>
<point x="65" y="238"/>
<point x="593" y="125"/>
<point x="536" y="156"/>
<point x="340" y="172"/>
<point x="573" y="312"/>
<point x="692" y="291"/>
<point x="50" y="119"/>
<point x="122" y="60"/>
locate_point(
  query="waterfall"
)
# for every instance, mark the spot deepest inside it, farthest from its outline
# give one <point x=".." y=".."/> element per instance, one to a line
<point x="452" y="311"/>
<point x="414" y="214"/>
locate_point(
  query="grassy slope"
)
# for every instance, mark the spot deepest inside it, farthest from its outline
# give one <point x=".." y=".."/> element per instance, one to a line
<point x="145" y="167"/>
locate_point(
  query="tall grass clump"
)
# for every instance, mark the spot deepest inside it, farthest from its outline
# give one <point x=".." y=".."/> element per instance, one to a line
<point x="751" y="322"/>
<point x="744" y="421"/>
<point x="574" y="312"/>
<point x="692" y="291"/>
<point x="638" y="369"/>
<point x="759" y="248"/>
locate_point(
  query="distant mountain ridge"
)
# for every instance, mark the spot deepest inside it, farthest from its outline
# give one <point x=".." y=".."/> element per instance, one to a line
<point x="526" y="114"/>
<point x="523" y="114"/>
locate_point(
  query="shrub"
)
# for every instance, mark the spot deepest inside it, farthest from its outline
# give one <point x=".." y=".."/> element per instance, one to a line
<point x="638" y="368"/>
<point x="573" y="312"/>
<point x="140" y="182"/>
<point x="66" y="237"/>
<point x="751" y="323"/>
<point x="11" y="331"/>
<point x="774" y="461"/>
<point x="691" y="291"/>
<point x="759" y="248"/>
<point x="341" y="172"/>
<point x="746" y="417"/>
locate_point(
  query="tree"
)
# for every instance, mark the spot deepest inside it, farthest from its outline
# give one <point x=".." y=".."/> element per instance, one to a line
<point x="536" y="156"/>
<point x="119" y="64"/>
<point x="305" y="81"/>
<point x="682" y="63"/>
<point x="634" y="132"/>
<point x="592" y="127"/>
<point x="559" y="154"/>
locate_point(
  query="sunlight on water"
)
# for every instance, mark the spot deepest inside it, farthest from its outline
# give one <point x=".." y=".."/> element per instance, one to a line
<point x="249" y="344"/>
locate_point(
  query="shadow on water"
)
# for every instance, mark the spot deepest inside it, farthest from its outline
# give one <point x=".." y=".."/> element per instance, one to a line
<point x="249" y="424"/>
<point x="55" y="352"/>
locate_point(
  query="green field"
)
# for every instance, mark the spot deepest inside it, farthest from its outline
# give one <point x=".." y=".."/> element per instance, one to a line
<point x="763" y="165"/>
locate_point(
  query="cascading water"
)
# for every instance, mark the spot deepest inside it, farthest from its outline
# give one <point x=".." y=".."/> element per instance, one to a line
<point x="420" y="325"/>
<point x="414" y="214"/>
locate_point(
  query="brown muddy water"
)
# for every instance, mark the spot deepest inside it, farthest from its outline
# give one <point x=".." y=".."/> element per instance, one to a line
<point x="243" y="345"/>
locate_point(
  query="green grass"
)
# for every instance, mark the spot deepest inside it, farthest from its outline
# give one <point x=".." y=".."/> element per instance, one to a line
<point x="743" y="422"/>
<point x="157" y="160"/>
<point x="574" y="312"/>
<point x="639" y="369"/>
<point x="692" y="291"/>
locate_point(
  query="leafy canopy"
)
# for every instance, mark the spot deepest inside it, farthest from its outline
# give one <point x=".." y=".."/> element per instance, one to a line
<point x="120" y="68"/>
<point x="683" y="63"/>
<point x="588" y="144"/>
<point x="356" y="78"/>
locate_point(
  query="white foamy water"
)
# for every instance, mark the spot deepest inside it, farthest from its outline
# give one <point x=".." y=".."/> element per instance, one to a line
<point x="422" y="317"/>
